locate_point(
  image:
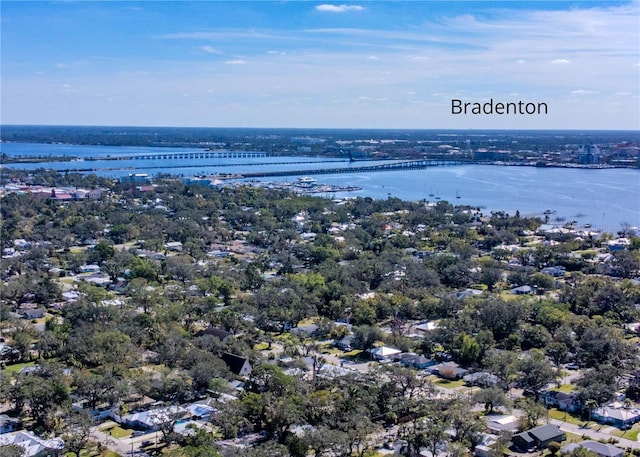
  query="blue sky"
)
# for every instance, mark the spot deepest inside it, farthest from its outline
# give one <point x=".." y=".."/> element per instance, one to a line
<point x="369" y="64"/>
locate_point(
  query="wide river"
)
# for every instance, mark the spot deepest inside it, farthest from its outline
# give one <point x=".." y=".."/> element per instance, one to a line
<point x="604" y="198"/>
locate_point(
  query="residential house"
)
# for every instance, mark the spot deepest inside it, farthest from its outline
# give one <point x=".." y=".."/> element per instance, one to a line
<point x="484" y="448"/>
<point x="467" y="293"/>
<point x="562" y="400"/>
<point x="33" y="445"/>
<point x="499" y="424"/>
<point x="617" y="416"/>
<point x="94" y="194"/>
<point x="411" y="359"/>
<point x="89" y="268"/>
<point x="218" y="332"/>
<point x="97" y="279"/>
<point x="238" y="365"/>
<point x="601" y="449"/>
<point x="522" y="290"/>
<point x="538" y="437"/>
<point x="99" y="413"/>
<point x="308" y="236"/>
<point x="8" y="424"/>
<point x="344" y="344"/>
<point x="425" y="327"/>
<point x="481" y="378"/>
<point x="448" y="370"/>
<point x="383" y="353"/>
<point x="175" y="246"/>
<point x="306" y="331"/>
<point x="555" y="271"/>
<point x="201" y="410"/>
<point x="153" y="419"/>
<point x="323" y="370"/>
<point x="70" y="296"/>
<point x="153" y="255"/>
<point x="36" y="313"/>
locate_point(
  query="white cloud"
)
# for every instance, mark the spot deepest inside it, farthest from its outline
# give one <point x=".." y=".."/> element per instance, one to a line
<point x="596" y="50"/>
<point x="210" y="50"/>
<point x="338" y="8"/>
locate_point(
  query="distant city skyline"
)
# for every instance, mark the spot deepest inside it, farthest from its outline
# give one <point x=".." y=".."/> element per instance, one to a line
<point x="304" y="64"/>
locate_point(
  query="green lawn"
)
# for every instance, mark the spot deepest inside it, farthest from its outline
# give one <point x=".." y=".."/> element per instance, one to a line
<point x="105" y="453"/>
<point x="356" y="356"/>
<point x="450" y="384"/>
<point x="566" y="388"/>
<point x="330" y="349"/>
<point x="119" y="432"/>
<point x="67" y="280"/>
<point x="628" y="434"/>
<point x="506" y="295"/>
<point x="555" y="413"/>
<point x="261" y="346"/>
<point x="13" y="369"/>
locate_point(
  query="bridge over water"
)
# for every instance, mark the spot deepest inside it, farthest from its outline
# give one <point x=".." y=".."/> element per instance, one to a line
<point x="394" y="166"/>
<point x="351" y="168"/>
<point x="187" y="155"/>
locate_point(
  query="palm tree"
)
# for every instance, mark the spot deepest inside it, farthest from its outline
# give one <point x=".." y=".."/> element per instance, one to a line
<point x="590" y="405"/>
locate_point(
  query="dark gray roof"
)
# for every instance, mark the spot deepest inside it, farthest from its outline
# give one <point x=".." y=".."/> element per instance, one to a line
<point x="524" y="436"/>
<point x="234" y="362"/>
<point x="215" y="331"/>
<point x="545" y="432"/>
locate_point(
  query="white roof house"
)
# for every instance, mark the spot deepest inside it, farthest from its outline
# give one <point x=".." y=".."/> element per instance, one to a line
<point x="152" y="419"/>
<point x="384" y="352"/>
<point x="502" y="423"/>
<point x="33" y="445"/>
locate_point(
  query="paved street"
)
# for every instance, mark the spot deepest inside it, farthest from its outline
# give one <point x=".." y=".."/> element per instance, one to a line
<point x="593" y="434"/>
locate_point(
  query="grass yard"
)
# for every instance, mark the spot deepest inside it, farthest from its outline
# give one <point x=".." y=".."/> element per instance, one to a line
<point x="631" y="434"/>
<point x="506" y="295"/>
<point x="447" y="384"/>
<point x="119" y="432"/>
<point x="261" y="347"/>
<point x="329" y="349"/>
<point x="566" y="388"/>
<point x="13" y="369"/>
<point x="356" y="356"/>
<point x="308" y="321"/>
<point x="104" y="453"/>
<point x="555" y="413"/>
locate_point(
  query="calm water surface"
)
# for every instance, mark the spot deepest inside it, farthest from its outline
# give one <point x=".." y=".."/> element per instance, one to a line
<point x="603" y="198"/>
